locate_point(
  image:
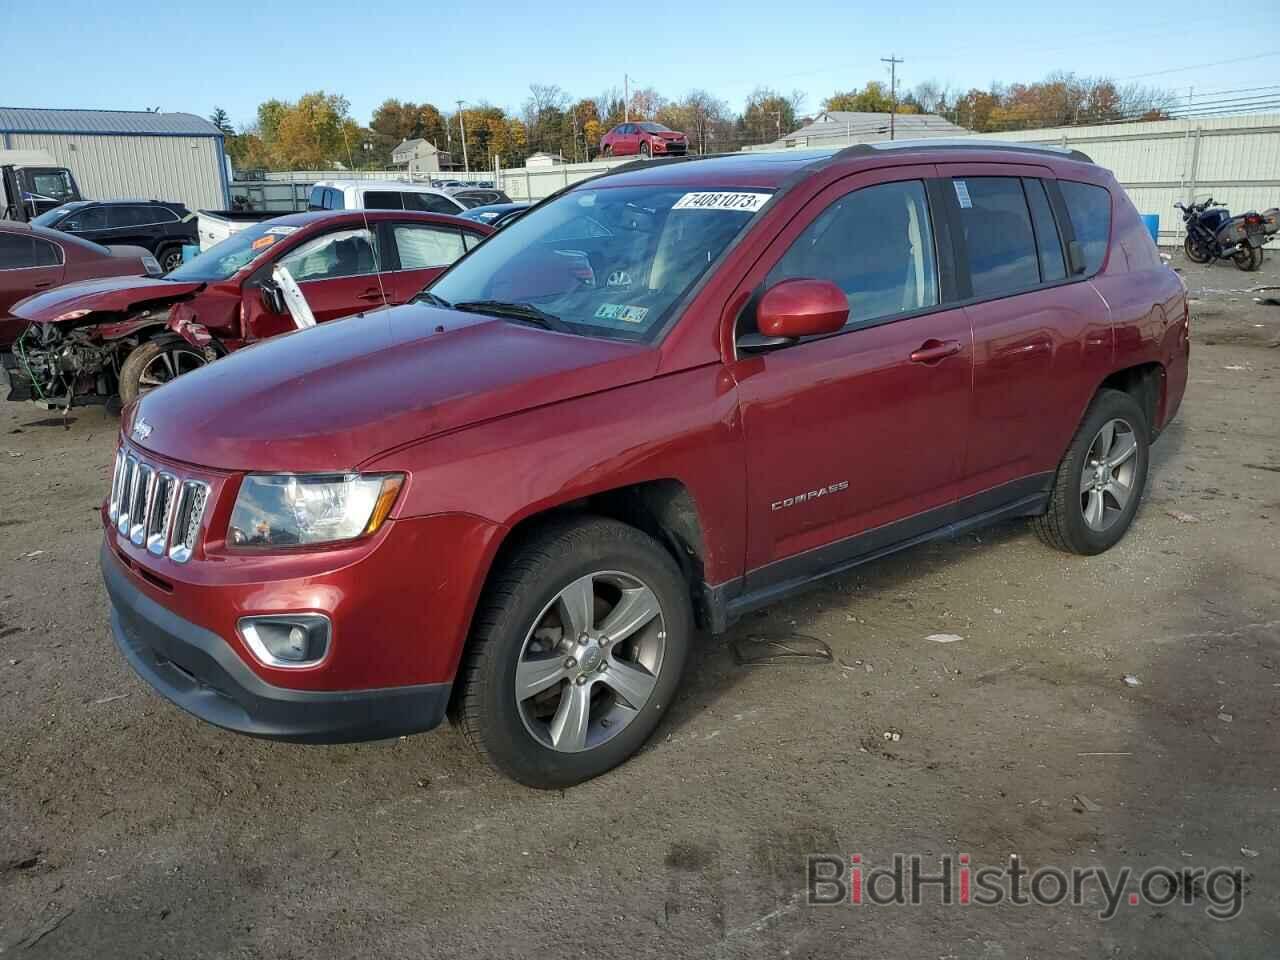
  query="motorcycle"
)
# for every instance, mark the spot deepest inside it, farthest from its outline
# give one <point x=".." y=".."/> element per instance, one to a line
<point x="1213" y="234"/>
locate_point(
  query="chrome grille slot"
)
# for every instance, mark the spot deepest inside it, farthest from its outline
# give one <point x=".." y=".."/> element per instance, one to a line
<point x="160" y="517"/>
<point x="186" y="524"/>
<point x="117" y="475"/>
<point x="126" y="494"/>
<point x="140" y="502"/>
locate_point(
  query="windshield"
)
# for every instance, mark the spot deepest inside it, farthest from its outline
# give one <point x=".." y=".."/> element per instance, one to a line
<point x="610" y="262"/>
<point x="651" y="127"/>
<point x="222" y="261"/>
<point x="50" y="217"/>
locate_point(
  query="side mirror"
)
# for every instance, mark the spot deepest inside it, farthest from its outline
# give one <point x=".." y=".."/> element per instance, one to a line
<point x="272" y="298"/>
<point x="796" y="308"/>
<point x="1075" y="254"/>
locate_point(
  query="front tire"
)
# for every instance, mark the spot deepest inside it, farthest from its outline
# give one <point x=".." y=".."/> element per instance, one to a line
<point x="645" y="151"/>
<point x="1100" y="481"/>
<point x="155" y="363"/>
<point x="1195" y="252"/>
<point x="576" y="652"/>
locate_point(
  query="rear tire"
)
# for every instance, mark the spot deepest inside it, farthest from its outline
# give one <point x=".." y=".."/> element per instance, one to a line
<point x="583" y="707"/>
<point x="1195" y="252"/>
<point x="170" y="258"/>
<point x="1100" y="482"/>
<point x="1248" y="259"/>
<point x="155" y="363"/>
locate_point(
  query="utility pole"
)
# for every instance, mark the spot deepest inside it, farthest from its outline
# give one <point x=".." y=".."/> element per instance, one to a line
<point x="893" y="62"/>
<point x="462" y="130"/>
<point x="626" y="100"/>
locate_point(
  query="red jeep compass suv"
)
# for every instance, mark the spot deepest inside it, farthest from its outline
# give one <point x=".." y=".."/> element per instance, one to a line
<point x="660" y="399"/>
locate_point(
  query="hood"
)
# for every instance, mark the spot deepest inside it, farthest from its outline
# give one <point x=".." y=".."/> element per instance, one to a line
<point x="111" y="294"/>
<point x="331" y="397"/>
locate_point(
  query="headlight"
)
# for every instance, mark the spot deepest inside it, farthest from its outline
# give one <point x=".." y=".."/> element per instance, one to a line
<point x="276" y="510"/>
<point x="152" y="266"/>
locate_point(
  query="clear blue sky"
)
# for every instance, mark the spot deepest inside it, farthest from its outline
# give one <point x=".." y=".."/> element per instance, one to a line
<point x="236" y="53"/>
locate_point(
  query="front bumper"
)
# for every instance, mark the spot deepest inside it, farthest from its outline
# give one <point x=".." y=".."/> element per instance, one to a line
<point x="198" y="671"/>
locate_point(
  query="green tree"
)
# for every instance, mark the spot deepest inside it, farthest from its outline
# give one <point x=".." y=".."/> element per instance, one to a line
<point x="222" y="121"/>
<point x="768" y="116"/>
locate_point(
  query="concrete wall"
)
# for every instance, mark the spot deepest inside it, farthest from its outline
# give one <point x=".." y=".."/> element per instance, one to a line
<point x="184" y="169"/>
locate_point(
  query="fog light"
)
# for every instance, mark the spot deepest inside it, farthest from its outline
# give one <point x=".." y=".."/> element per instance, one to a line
<point x="292" y="640"/>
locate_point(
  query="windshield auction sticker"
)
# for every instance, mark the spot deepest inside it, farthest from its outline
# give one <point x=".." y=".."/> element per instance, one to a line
<point x="743" y="202"/>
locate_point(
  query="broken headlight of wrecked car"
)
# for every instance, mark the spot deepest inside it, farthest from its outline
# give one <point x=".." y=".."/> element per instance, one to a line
<point x="274" y="510"/>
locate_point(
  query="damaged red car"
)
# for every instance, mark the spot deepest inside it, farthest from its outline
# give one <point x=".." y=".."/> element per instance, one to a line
<point x="123" y="336"/>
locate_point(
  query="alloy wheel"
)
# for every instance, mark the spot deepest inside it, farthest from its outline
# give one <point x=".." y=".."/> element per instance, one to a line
<point x="590" y="661"/>
<point x="168" y="365"/>
<point x="1107" y="480"/>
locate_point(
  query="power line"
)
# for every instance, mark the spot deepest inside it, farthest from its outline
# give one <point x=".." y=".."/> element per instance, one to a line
<point x="1199" y="66"/>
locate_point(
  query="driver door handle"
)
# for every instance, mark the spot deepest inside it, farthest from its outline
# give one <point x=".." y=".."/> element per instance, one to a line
<point x="935" y="351"/>
<point x="372" y="294"/>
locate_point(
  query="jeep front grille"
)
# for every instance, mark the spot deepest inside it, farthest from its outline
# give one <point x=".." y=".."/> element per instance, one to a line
<point x="156" y="509"/>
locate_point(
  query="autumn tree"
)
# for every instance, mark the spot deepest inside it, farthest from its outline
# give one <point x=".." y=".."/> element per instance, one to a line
<point x="395" y="121"/>
<point x="700" y="116"/>
<point x="768" y="115"/>
<point x="314" y="133"/>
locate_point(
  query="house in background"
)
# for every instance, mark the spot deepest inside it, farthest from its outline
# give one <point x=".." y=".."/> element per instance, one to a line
<point x="542" y="160"/>
<point x="420" y="157"/>
<point x="838" y="128"/>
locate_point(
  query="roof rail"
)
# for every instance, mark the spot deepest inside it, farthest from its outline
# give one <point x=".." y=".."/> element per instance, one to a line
<point x="960" y="143"/>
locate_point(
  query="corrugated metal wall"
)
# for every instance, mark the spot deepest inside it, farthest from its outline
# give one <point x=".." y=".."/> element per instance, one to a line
<point x="1235" y="160"/>
<point x="183" y="169"/>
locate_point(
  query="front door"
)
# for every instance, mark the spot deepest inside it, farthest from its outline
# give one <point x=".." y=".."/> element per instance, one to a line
<point x="338" y="273"/>
<point x="850" y="433"/>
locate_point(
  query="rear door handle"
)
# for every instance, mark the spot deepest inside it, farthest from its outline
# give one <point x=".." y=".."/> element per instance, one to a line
<point x="42" y="284"/>
<point x="370" y="295"/>
<point x="935" y="351"/>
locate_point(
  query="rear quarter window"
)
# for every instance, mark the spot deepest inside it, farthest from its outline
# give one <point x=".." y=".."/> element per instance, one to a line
<point x="1089" y="207"/>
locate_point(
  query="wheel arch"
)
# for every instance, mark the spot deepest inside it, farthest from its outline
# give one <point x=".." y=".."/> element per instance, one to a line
<point x="1146" y="383"/>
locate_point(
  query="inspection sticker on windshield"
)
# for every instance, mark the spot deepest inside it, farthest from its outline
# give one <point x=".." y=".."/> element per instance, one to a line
<point x="962" y="194"/>
<point x="281" y="231"/>
<point x="263" y="242"/>
<point x="618" y="311"/>
<point x="745" y="202"/>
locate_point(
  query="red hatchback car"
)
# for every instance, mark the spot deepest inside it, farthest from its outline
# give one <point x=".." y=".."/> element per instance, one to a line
<point x="664" y="398"/>
<point x="33" y="259"/>
<point x="131" y="335"/>
<point x="644" y="139"/>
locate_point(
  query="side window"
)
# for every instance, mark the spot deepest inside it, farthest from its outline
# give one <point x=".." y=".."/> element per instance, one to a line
<point x="316" y="198"/>
<point x="47" y="254"/>
<point x="336" y="200"/>
<point x="998" y="235"/>
<point x="1089" y="207"/>
<point x="129" y="217"/>
<point x="422" y="246"/>
<point x="1048" y="243"/>
<point x="16" y="251"/>
<point x="430" y="202"/>
<point x="382" y="200"/>
<point x="93" y="218"/>
<point x="876" y="244"/>
<point x="344" y="253"/>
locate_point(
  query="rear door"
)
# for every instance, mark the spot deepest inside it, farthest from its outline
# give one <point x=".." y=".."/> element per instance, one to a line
<point x="849" y="434"/>
<point x="1036" y="330"/>
<point x="422" y="252"/>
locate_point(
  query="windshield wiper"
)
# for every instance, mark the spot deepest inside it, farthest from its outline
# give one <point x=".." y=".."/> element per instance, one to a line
<point x="525" y="312"/>
<point x="426" y="296"/>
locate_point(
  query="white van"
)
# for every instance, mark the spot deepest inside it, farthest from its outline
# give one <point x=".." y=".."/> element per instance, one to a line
<point x="380" y="195"/>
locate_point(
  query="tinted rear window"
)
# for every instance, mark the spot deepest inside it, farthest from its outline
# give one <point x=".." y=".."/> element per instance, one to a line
<point x="382" y="200"/>
<point x="1089" y="207"/>
<point x="998" y="235"/>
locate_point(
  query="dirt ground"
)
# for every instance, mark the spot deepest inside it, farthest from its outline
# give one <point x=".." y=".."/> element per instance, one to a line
<point x="128" y="829"/>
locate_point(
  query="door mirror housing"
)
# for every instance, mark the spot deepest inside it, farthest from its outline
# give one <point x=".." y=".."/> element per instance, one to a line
<point x="272" y="298"/>
<point x="794" y="309"/>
